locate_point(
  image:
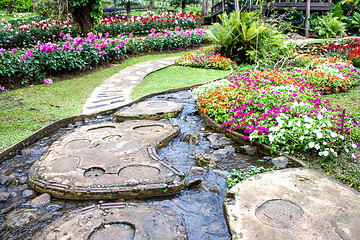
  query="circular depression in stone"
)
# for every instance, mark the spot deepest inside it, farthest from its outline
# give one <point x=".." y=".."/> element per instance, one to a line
<point x="139" y="172"/>
<point x="94" y="172"/>
<point x="78" y="144"/>
<point x="157" y="104"/>
<point x="114" y="231"/>
<point x="100" y="129"/>
<point x="148" y="128"/>
<point x="279" y="213"/>
<point x="112" y="138"/>
<point x="64" y="164"/>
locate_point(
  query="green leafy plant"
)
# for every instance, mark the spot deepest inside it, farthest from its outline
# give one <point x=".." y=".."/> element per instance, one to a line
<point x="237" y="176"/>
<point x="330" y="26"/>
<point x="354" y="21"/>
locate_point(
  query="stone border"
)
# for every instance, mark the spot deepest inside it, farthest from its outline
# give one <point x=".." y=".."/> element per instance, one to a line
<point x="7" y="153"/>
<point x="265" y="149"/>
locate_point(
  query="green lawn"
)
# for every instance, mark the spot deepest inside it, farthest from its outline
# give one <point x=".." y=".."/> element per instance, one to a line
<point x="26" y="110"/>
<point x="175" y="77"/>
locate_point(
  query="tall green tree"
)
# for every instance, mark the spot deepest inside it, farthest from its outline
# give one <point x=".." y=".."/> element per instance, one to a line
<point x="127" y="4"/>
<point x="86" y="12"/>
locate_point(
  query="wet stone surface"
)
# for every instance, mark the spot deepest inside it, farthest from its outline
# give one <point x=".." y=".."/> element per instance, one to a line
<point x="151" y="110"/>
<point x="293" y="204"/>
<point x="200" y="207"/>
<point x="105" y="160"/>
<point x="117" y="221"/>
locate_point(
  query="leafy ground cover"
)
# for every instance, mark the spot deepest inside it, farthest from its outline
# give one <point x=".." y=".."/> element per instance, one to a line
<point x="26" y="110"/>
<point x="175" y="77"/>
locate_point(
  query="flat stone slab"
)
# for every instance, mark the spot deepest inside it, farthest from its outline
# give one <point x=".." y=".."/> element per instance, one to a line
<point x="151" y="110"/>
<point x="108" y="160"/>
<point x="293" y="204"/>
<point x="116" y="221"/>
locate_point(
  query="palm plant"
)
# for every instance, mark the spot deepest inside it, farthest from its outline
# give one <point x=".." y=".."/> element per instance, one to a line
<point x="354" y="21"/>
<point x="331" y="26"/>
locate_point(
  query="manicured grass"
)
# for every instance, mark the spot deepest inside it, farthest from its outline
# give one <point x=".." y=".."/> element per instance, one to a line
<point x="14" y="15"/>
<point x="26" y="110"/>
<point x="175" y="77"/>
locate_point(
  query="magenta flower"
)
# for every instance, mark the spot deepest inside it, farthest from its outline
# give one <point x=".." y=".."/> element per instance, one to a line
<point x="48" y="81"/>
<point x="102" y="52"/>
<point x="131" y="35"/>
<point x="72" y="49"/>
<point x="152" y="30"/>
<point x="64" y="48"/>
<point x="23" y="57"/>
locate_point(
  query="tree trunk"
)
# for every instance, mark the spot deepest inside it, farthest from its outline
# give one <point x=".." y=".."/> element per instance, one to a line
<point x="183" y="6"/>
<point x="205" y="8"/>
<point x="151" y="5"/>
<point x="83" y="17"/>
<point x="352" y="9"/>
<point x="307" y="16"/>
<point x="10" y="7"/>
<point x="237" y="7"/>
<point x="128" y="9"/>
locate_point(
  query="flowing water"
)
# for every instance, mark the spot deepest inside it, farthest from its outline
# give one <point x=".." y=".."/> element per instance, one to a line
<point x="200" y="207"/>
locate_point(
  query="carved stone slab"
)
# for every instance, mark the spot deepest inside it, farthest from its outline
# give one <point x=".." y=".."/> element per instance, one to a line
<point x="152" y="110"/>
<point x="292" y="204"/>
<point x="116" y="221"/>
<point x="108" y="160"/>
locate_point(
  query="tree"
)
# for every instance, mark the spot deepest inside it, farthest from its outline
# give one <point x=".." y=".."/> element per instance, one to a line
<point x="10" y="7"/>
<point x="151" y="4"/>
<point x="205" y="8"/>
<point x="86" y="12"/>
<point x="127" y="4"/>
<point x="353" y="7"/>
<point x="183" y="3"/>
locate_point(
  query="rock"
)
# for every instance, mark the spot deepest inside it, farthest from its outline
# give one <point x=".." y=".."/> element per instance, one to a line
<point x="197" y="171"/>
<point x="216" y="146"/>
<point x="28" y="151"/>
<point x="205" y="160"/>
<point x="230" y="149"/>
<point x="4" y="196"/>
<point x="21" y="217"/>
<point x="221" y="173"/>
<point x="194" y="182"/>
<point x="22" y="180"/>
<point x="192" y="138"/>
<point x="29" y="193"/>
<point x="267" y="157"/>
<point x="6" y="180"/>
<point x="210" y="188"/>
<point x="281" y="162"/>
<point x="41" y="200"/>
<point x="250" y="150"/>
<point x="225" y="141"/>
<point x="220" y="152"/>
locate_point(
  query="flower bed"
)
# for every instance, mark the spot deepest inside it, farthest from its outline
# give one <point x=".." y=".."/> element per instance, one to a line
<point x="34" y="64"/>
<point x="281" y="109"/>
<point x="117" y="25"/>
<point x="206" y="58"/>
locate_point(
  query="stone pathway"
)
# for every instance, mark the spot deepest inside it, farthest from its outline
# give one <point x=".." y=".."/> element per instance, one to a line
<point x="111" y="221"/>
<point x="293" y="204"/>
<point x="115" y="91"/>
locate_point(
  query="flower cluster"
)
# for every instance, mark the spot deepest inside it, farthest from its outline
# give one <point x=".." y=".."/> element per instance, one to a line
<point x="115" y="25"/>
<point x="74" y="53"/>
<point x="341" y="48"/>
<point x="23" y="33"/>
<point x="282" y="109"/>
<point x="206" y="58"/>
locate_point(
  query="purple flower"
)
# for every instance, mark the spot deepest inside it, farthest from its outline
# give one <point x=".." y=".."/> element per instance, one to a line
<point x="48" y="81"/>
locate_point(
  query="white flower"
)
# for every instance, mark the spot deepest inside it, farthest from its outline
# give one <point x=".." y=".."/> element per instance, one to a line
<point x="311" y="144"/>
<point x="333" y="134"/>
<point x="301" y="138"/>
<point x="353" y="156"/>
<point x="308" y="126"/>
<point x="306" y="132"/>
<point x="271" y="137"/>
<point x="274" y="129"/>
<point x="326" y="153"/>
<point x="354" y="145"/>
<point x="317" y="146"/>
<point x="346" y="150"/>
<point x="298" y="124"/>
<point x="324" y="143"/>
<point x="319" y="135"/>
<point x="319" y="116"/>
<point x="342" y="137"/>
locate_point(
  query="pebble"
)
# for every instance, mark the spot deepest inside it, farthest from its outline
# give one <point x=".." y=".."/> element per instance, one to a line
<point x="29" y="193"/>
<point x="4" y="196"/>
<point x="41" y="200"/>
<point x="197" y="171"/>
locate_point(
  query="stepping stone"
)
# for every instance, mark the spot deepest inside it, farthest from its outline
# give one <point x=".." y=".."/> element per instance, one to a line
<point x="292" y="204"/>
<point x="108" y="160"/>
<point x="116" y="221"/>
<point x="151" y="110"/>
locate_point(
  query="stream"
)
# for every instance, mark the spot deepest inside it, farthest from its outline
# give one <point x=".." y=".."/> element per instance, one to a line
<point x="201" y="206"/>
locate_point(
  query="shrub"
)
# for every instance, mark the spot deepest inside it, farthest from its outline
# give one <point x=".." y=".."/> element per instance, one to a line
<point x="331" y="27"/>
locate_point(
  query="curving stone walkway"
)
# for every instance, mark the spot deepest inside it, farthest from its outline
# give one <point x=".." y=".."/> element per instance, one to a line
<point x="115" y="91"/>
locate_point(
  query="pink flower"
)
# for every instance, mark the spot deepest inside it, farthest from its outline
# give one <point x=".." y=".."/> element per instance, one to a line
<point x="152" y="30"/>
<point x="72" y="49"/>
<point x="131" y="35"/>
<point x="79" y="48"/>
<point x="23" y="57"/>
<point x="102" y="52"/>
<point x="64" y="48"/>
<point x="48" y="81"/>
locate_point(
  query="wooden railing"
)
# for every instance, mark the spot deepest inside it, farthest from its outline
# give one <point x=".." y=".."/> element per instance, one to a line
<point x="277" y="5"/>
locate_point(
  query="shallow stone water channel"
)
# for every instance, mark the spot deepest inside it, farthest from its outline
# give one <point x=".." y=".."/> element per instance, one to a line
<point x="200" y="207"/>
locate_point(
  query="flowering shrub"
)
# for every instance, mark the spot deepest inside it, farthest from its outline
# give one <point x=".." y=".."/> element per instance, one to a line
<point x="23" y="65"/>
<point x="206" y="58"/>
<point x="115" y="25"/>
<point x="342" y="48"/>
<point x="283" y="110"/>
<point x="20" y="33"/>
<point x="172" y="40"/>
<point x="354" y="56"/>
